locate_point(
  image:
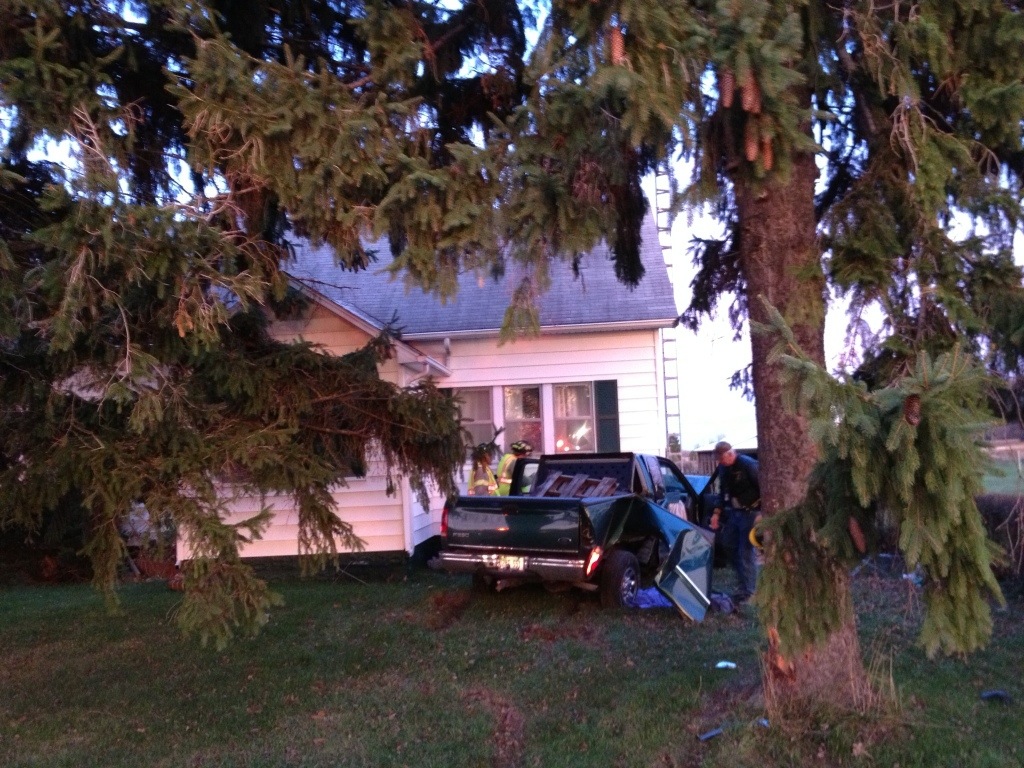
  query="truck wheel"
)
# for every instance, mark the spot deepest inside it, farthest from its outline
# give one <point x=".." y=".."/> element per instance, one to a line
<point x="620" y="579"/>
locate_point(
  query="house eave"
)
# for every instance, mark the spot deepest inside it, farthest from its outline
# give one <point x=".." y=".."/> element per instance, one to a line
<point x="546" y="330"/>
<point x="406" y="355"/>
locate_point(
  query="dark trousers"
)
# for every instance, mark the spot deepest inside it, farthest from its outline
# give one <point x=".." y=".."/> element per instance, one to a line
<point x="738" y="523"/>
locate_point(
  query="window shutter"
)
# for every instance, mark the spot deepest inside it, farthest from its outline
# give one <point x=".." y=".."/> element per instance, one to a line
<point x="606" y="406"/>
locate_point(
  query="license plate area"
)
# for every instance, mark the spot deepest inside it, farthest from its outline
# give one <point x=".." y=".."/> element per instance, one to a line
<point x="506" y="562"/>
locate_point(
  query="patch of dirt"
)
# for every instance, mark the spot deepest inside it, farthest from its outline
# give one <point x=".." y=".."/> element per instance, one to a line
<point x="447" y="607"/>
<point x="740" y="700"/>
<point x="509" y="727"/>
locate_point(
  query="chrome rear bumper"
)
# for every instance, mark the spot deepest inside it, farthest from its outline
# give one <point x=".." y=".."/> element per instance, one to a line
<point x="542" y="567"/>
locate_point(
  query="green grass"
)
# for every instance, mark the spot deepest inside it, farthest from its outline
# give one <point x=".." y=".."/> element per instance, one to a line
<point x="414" y="670"/>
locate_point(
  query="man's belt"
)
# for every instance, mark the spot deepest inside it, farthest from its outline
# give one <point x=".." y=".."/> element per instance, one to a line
<point x="755" y="507"/>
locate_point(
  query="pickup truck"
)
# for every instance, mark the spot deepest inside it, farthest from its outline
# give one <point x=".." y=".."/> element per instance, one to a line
<point x="597" y="521"/>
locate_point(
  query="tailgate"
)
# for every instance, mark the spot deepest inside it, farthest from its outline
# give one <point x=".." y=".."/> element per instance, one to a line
<point x="515" y="523"/>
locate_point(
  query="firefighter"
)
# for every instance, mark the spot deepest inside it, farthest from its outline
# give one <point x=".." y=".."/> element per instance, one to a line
<point x="517" y="450"/>
<point x="481" y="478"/>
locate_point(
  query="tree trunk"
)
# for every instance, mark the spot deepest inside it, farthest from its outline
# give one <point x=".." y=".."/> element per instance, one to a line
<point x="781" y="262"/>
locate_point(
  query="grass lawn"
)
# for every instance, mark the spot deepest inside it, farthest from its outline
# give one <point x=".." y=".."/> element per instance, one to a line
<point x="412" y="669"/>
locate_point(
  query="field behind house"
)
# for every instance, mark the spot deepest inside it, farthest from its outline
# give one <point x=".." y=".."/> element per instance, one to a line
<point x="400" y="668"/>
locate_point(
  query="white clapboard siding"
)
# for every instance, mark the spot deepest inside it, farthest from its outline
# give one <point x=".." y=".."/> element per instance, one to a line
<point x="629" y="357"/>
<point x="376" y="518"/>
<point x="551" y="359"/>
<point x="425" y="523"/>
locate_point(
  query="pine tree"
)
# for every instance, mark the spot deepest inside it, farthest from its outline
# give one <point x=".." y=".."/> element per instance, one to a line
<point x="135" y="364"/>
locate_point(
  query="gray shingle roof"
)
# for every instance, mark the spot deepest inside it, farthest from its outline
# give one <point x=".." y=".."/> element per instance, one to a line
<point x="595" y="298"/>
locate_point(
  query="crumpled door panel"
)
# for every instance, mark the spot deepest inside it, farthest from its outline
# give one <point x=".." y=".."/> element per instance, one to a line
<point x="685" y="576"/>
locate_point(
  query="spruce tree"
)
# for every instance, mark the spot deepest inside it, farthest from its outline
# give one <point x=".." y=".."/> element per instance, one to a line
<point x="135" y="364"/>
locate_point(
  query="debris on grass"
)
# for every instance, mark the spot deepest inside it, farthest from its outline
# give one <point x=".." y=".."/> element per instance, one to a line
<point x="998" y="695"/>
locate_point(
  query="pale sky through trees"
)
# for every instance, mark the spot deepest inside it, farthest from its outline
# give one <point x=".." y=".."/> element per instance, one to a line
<point x="709" y="409"/>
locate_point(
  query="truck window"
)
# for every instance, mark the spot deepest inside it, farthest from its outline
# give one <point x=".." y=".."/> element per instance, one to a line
<point x="672" y="482"/>
<point x="677" y="497"/>
<point x="529" y="474"/>
<point x="638" y="483"/>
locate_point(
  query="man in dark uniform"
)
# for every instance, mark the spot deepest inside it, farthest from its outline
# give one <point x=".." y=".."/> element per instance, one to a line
<point x="741" y="496"/>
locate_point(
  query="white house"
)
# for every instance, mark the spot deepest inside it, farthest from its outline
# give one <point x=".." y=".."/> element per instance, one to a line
<point x="594" y="378"/>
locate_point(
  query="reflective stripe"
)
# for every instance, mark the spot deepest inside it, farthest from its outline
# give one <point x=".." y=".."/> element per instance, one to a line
<point x="505" y="469"/>
<point x="481" y="481"/>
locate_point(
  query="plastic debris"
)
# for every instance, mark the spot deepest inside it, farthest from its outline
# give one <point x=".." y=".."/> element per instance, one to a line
<point x="722" y="603"/>
<point x="915" y="578"/>
<point x="763" y="722"/>
<point x="651" y="598"/>
<point x="710" y="734"/>
<point x="725" y="665"/>
<point x="996" y="695"/>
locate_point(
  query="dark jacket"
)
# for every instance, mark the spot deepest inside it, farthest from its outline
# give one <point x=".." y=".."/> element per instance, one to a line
<point x="741" y="482"/>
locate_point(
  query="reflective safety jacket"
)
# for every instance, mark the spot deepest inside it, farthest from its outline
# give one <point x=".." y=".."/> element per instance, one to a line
<point x="505" y="467"/>
<point x="481" y="481"/>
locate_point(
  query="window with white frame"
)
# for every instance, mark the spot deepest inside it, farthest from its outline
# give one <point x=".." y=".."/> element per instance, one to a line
<point x="523" y="419"/>
<point x="477" y="418"/>
<point x="575" y="425"/>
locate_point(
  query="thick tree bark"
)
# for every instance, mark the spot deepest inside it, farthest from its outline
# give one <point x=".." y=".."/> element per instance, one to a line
<point x="781" y="262"/>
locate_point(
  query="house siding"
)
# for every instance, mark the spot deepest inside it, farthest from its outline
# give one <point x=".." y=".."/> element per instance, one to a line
<point x="375" y="517"/>
<point x="329" y="331"/>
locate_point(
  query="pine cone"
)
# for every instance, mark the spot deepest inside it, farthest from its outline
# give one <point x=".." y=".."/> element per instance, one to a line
<point x="616" y="45"/>
<point x="726" y="87"/>
<point x="857" y="534"/>
<point x="751" y="143"/>
<point x="912" y="410"/>
<point x="750" y="95"/>
<point x="587" y="184"/>
<point x="767" y="153"/>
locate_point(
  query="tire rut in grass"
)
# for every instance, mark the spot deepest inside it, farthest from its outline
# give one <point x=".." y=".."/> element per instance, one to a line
<point x="446" y="608"/>
<point x="509" y="728"/>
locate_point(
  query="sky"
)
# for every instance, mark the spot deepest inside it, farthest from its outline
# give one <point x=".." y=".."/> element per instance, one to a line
<point x="709" y="409"/>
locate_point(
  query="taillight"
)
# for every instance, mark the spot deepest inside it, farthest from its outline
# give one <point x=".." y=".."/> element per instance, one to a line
<point x="593" y="560"/>
<point x="444" y="520"/>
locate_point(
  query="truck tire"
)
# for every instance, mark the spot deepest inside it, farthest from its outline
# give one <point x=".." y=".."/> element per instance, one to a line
<point x="620" y="579"/>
